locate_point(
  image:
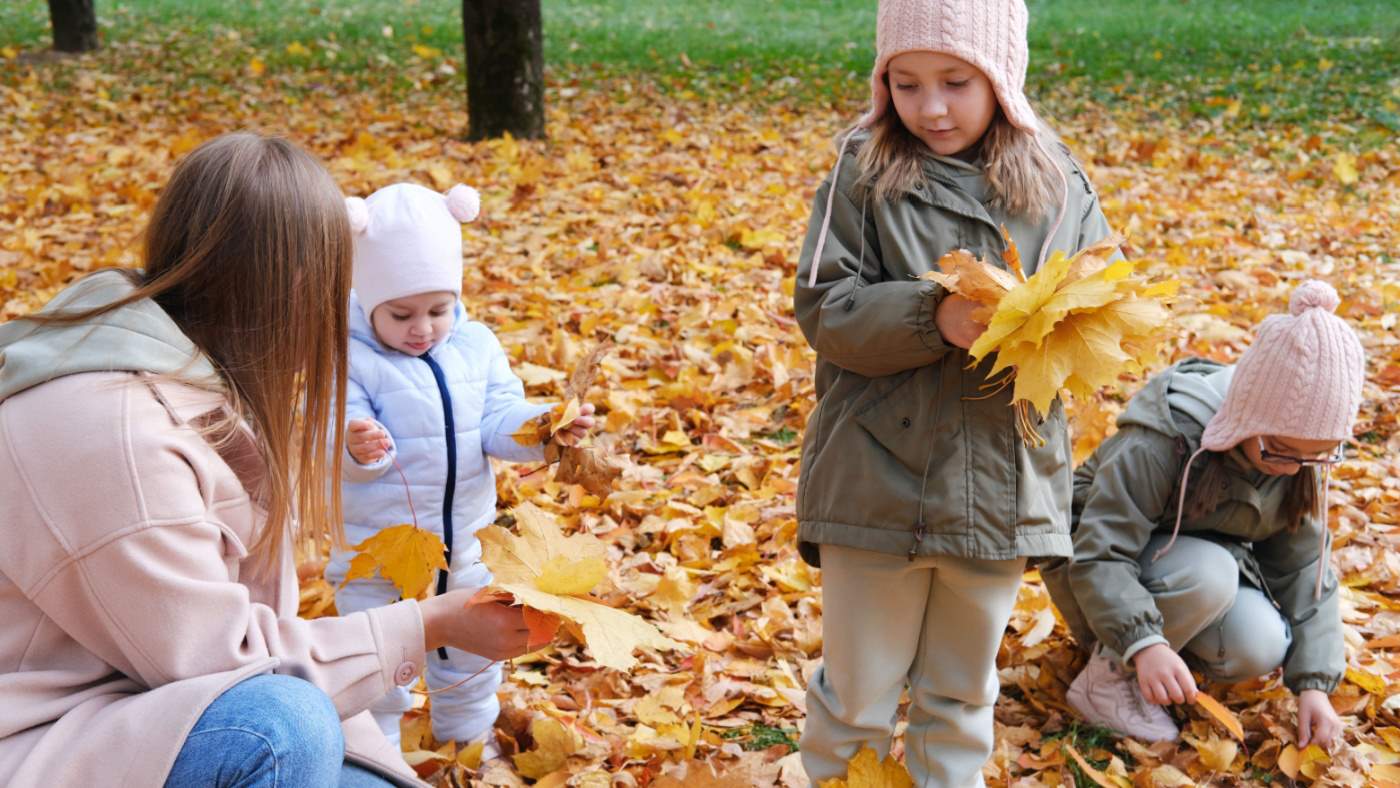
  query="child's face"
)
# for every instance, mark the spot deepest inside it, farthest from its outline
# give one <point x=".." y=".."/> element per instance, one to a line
<point x="943" y="100"/>
<point x="1277" y="456"/>
<point x="414" y="324"/>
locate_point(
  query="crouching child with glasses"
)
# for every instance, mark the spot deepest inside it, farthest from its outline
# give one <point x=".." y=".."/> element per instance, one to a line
<point x="1200" y="529"/>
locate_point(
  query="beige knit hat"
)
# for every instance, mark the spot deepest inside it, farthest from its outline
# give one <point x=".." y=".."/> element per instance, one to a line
<point x="1301" y="378"/>
<point x="989" y="34"/>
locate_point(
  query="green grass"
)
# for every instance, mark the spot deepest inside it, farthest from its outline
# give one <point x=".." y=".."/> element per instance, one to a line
<point x="1249" y="60"/>
<point x="760" y="737"/>
<point x="1086" y="739"/>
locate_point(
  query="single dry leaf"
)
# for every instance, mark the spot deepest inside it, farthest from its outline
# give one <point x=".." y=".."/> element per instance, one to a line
<point x="548" y="571"/>
<point x="1217" y="754"/>
<point x="610" y="634"/>
<point x="404" y="555"/>
<point x="470" y="756"/>
<point x="589" y="467"/>
<point x="1089" y="771"/>
<point x="554" y="743"/>
<point x="866" y="770"/>
<point x="1367" y="681"/>
<point x="541" y="556"/>
<point x="1221" y="714"/>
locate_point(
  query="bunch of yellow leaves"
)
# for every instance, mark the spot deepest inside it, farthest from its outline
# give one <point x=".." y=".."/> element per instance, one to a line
<point x="543" y="569"/>
<point x="1078" y="323"/>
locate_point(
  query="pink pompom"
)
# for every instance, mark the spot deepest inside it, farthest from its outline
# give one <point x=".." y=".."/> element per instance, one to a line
<point x="1313" y="294"/>
<point x="463" y="202"/>
<point x="358" y="213"/>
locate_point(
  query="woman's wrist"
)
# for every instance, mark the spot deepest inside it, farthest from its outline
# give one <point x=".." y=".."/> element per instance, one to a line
<point x="432" y="611"/>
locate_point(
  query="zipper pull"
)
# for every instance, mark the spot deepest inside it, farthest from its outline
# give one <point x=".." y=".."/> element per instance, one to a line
<point x="918" y="538"/>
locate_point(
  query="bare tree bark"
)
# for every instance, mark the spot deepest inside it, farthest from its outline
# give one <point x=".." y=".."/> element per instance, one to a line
<point x="505" y="68"/>
<point x="74" y="25"/>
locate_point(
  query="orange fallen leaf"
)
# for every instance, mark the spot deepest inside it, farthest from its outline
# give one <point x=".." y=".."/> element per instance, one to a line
<point x="1221" y="714"/>
<point x="1089" y="771"/>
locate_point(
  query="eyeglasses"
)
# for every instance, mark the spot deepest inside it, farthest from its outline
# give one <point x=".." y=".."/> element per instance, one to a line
<point x="1289" y="459"/>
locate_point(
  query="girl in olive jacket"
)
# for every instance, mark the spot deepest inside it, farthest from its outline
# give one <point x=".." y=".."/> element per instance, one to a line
<point x="916" y="496"/>
<point x="1201" y="526"/>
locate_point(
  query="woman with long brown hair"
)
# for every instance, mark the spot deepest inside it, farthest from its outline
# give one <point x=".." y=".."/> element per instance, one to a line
<point x="163" y="442"/>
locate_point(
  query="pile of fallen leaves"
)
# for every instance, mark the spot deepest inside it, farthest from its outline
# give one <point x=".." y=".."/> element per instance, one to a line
<point x="668" y="226"/>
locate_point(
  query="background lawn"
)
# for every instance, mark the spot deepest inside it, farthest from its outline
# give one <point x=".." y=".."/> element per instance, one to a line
<point x="1257" y="60"/>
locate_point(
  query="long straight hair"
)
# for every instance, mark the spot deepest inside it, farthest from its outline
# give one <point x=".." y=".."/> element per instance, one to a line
<point x="1022" y="178"/>
<point x="1208" y="493"/>
<point x="249" y="252"/>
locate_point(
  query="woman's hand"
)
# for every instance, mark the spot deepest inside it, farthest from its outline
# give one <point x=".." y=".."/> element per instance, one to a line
<point x="494" y="630"/>
<point x="1318" y="722"/>
<point x="366" y="440"/>
<point x="954" y="320"/>
<point x="1163" y="677"/>
<point x="570" y="434"/>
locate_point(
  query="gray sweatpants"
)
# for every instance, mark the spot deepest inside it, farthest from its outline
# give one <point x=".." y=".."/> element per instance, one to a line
<point x="933" y="624"/>
<point x="1230" y="626"/>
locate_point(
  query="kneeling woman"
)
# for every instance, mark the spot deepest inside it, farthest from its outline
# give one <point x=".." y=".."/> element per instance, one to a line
<point x="1200" y="527"/>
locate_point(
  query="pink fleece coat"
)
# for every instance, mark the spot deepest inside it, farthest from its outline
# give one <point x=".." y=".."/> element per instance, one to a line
<point x="127" y="598"/>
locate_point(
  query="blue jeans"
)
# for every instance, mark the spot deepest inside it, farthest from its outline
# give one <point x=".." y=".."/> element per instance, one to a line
<point x="268" y="731"/>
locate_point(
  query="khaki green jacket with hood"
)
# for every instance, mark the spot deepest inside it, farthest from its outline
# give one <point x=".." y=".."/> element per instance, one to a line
<point x="905" y="452"/>
<point x="1127" y="491"/>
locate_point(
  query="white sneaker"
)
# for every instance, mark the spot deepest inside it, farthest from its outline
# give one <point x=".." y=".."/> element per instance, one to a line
<point x="1105" y="694"/>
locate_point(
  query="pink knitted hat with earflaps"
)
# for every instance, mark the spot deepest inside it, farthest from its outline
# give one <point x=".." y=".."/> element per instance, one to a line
<point x="1301" y="378"/>
<point x="989" y="34"/>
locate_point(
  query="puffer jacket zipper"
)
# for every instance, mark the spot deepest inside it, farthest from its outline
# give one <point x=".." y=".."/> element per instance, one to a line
<point x="450" y="487"/>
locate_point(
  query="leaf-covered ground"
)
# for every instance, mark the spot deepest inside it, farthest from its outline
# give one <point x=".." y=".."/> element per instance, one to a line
<point x="668" y="223"/>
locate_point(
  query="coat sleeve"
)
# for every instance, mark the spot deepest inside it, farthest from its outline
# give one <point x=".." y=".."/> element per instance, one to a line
<point x="359" y="405"/>
<point x="1130" y="492"/>
<point x="1289" y="562"/>
<point x="850" y="317"/>
<point x="138" y="567"/>
<point x="506" y="408"/>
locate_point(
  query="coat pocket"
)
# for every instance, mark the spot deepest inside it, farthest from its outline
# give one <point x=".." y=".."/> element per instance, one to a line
<point x="902" y="415"/>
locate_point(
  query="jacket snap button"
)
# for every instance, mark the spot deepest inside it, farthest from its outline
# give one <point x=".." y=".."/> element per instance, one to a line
<point x="405" y="673"/>
<point x="905" y="422"/>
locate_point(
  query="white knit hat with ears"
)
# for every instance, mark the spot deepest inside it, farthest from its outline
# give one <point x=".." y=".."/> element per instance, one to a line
<point x="408" y="240"/>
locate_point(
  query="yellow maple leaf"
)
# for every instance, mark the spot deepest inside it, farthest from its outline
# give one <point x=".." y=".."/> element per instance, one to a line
<point x="297" y="49"/>
<point x="866" y="770"/>
<point x="554" y="743"/>
<point x="542" y="427"/>
<point x="541" y="556"/>
<point x="610" y="634"/>
<point x="402" y="554"/>
<point x="550" y="572"/>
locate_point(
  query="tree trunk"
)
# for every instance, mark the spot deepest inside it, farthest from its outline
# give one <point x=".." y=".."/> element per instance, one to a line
<point x="505" y="68"/>
<point x="74" y="25"/>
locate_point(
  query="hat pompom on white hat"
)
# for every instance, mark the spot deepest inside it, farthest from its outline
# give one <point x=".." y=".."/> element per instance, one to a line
<point x="408" y="240"/>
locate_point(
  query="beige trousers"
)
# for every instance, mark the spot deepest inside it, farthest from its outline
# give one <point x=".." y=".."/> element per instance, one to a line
<point x="933" y="624"/>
